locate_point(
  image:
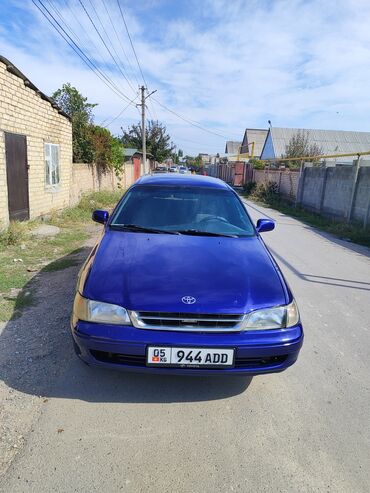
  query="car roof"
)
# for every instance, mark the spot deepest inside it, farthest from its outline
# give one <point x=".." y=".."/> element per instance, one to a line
<point x="182" y="180"/>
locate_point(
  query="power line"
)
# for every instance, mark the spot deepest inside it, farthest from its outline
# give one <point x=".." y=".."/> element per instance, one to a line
<point x="83" y="28"/>
<point x="116" y="117"/>
<point x="121" y="44"/>
<point x="62" y="19"/>
<point x="102" y="39"/>
<point x="190" y="122"/>
<point x="132" y="44"/>
<point x="98" y="72"/>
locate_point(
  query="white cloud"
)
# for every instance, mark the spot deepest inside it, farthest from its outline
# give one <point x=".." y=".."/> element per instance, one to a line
<point x="227" y="64"/>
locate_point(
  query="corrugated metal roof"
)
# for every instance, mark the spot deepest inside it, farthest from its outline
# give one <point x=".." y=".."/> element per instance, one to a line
<point x="232" y="147"/>
<point x="256" y="135"/>
<point x="129" y="151"/>
<point x="331" y="141"/>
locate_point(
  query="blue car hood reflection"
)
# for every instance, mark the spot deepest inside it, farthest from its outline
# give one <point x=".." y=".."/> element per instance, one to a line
<point x="154" y="272"/>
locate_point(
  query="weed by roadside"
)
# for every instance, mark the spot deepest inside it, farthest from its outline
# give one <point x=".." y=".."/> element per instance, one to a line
<point x="23" y="255"/>
<point x="267" y="196"/>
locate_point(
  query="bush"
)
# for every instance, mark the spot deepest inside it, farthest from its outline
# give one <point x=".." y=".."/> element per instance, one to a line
<point x="266" y="192"/>
<point x="249" y="188"/>
<point x="14" y="234"/>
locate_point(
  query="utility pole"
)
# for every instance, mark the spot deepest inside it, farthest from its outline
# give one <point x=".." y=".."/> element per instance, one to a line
<point x="143" y="133"/>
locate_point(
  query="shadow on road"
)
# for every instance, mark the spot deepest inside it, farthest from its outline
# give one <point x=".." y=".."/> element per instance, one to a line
<point x="330" y="281"/>
<point x="37" y="358"/>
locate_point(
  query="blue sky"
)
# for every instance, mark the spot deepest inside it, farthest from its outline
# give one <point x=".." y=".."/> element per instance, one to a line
<point x="228" y="64"/>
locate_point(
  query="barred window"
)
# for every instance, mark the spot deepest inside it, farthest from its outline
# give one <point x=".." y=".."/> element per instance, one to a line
<point x="52" y="166"/>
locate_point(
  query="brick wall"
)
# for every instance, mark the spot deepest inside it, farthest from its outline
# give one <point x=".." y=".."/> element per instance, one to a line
<point x="22" y="111"/>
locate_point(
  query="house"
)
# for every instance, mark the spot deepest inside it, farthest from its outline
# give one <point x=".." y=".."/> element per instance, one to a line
<point x="35" y="149"/>
<point x="330" y="141"/>
<point x="253" y="141"/>
<point x="232" y="147"/>
<point x="204" y="157"/>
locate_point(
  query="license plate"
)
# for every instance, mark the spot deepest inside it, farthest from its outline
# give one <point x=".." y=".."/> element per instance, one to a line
<point x="189" y="357"/>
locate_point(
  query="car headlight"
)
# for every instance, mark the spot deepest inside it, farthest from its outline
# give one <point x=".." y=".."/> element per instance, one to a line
<point x="97" y="311"/>
<point x="279" y="317"/>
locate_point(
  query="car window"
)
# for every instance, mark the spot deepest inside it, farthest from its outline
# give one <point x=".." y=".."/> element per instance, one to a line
<point x="184" y="208"/>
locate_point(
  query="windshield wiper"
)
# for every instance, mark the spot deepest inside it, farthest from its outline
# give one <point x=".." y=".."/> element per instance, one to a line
<point x="141" y="229"/>
<point x="196" y="232"/>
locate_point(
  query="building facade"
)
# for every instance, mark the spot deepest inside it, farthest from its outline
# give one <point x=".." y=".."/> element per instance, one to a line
<point x="35" y="149"/>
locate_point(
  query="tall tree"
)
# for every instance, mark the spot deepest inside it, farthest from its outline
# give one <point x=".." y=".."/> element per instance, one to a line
<point x="300" y="146"/>
<point x="158" y="142"/>
<point x="71" y="101"/>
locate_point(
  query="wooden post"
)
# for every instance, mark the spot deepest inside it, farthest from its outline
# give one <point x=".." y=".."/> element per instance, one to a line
<point x="353" y="192"/>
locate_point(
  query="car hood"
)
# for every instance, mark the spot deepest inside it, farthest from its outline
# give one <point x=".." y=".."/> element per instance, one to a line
<point x="154" y="272"/>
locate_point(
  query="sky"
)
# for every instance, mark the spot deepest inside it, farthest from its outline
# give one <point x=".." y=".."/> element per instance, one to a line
<point x="225" y="65"/>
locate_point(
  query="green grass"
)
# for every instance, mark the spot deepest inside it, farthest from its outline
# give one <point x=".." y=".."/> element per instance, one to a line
<point x="23" y="255"/>
<point x="352" y="232"/>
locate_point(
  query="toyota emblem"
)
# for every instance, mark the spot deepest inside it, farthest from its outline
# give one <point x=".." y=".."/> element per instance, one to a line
<point x="188" y="300"/>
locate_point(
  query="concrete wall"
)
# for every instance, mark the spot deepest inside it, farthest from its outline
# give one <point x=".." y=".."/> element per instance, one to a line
<point x="22" y="111"/>
<point x="329" y="191"/>
<point x="286" y="180"/>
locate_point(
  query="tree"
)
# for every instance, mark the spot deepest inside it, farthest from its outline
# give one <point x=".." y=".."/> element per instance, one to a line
<point x="195" y="163"/>
<point x="158" y="142"/>
<point x="299" y="146"/>
<point x="71" y="101"/>
<point x="108" y="151"/>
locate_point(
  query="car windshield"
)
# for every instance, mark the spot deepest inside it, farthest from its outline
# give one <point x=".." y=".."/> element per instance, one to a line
<point x="189" y="210"/>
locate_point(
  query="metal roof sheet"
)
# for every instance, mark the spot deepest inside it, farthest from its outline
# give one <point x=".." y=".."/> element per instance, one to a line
<point x="331" y="141"/>
<point x="256" y="135"/>
<point x="232" y="147"/>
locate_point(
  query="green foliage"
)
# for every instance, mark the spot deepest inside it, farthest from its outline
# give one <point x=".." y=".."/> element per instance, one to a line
<point x="14" y="234"/>
<point x="71" y="101"/>
<point x="194" y="163"/>
<point x="249" y="188"/>
<point x="117" y="154"/>
<point x="264" y="192"/>
<point x="158" y="142"/>
<point x="91" y="143"/>
<point x="299" y="146"/>
<point x="257" y="163"/>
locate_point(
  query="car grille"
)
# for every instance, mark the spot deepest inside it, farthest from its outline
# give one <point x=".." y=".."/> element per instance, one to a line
<point x="187" y="322"/>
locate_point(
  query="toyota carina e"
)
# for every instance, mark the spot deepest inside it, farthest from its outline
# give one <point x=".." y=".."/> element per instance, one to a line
<point x="181" y="281"/>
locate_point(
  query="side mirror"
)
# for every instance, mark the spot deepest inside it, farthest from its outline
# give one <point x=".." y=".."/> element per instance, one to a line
<point x="100" y="216"/>
<point x="264" y="225"/>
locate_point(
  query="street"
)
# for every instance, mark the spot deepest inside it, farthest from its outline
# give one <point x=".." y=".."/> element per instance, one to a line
<point x="306" y="429"/>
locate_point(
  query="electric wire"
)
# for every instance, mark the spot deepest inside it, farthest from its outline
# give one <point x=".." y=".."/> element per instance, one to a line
<point x="103" y="41"/>
<point x="132" y="44"/>
<point x="190" y="122"/>
<point x="62" y="32"/>
<point x="132" y="71"/>
<point x="115" y="118"/>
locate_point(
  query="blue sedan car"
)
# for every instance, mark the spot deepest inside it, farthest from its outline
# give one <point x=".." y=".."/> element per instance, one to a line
<point x="181" y="282"/>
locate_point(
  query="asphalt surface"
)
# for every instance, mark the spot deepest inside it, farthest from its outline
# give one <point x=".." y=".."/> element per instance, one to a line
<point x="305" y="430"/>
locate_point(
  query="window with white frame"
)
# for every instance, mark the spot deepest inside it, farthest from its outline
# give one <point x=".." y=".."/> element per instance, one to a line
<point x="52" y="165"/>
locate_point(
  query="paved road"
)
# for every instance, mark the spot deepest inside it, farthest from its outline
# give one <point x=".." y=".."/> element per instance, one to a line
<point x="303" y="430"/>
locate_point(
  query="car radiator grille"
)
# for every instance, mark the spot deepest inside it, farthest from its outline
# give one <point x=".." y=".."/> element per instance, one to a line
<point x="187" y="322"/>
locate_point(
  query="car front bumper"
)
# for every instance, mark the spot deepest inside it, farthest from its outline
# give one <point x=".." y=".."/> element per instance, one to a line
<point x="124" y="347"/>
